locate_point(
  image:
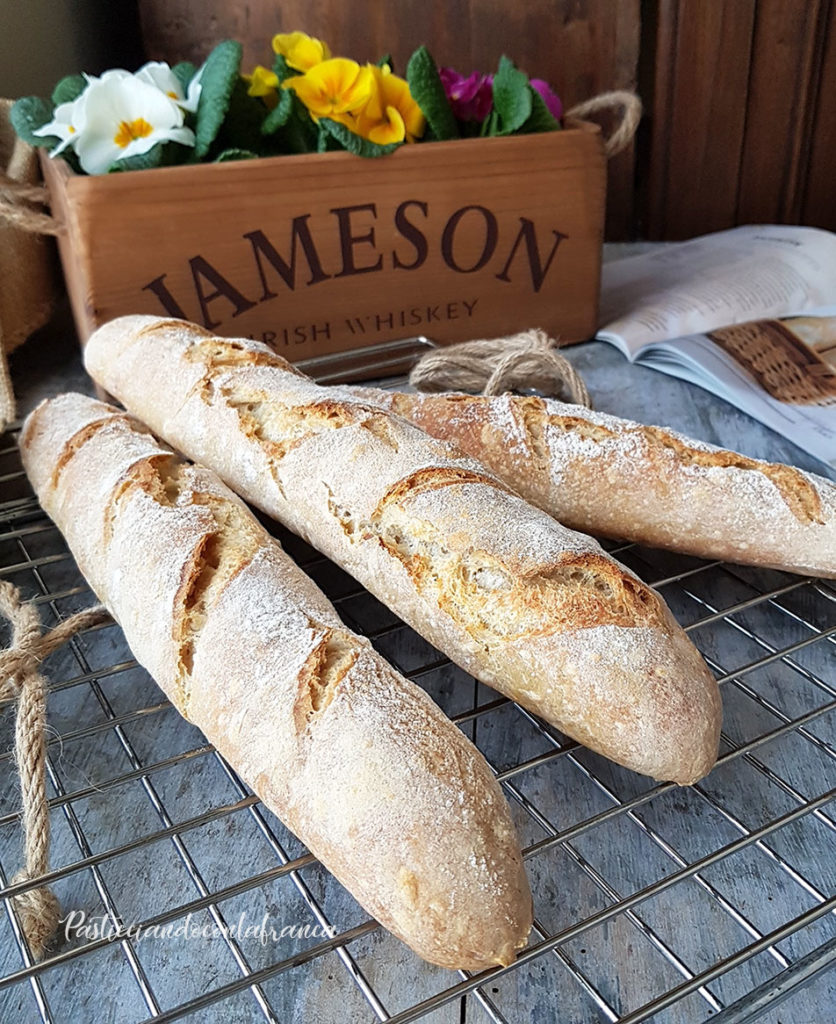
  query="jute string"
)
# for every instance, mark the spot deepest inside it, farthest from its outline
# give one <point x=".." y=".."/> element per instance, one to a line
<point x="38" y="908"/>
<point x="8" y="406"/>
<point x="13" y="196"/>
<point x="528" y="360"/>
<point x="14" y="209"/>
<point x="631" y="111"/>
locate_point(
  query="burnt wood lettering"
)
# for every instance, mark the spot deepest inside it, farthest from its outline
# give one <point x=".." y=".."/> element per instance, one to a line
<point x="464" y="251"/>
<point x="202" y="270"/>
<point x="448" y="237"/>
<point x="348" y="240"/>
<point x="299" y="232"/>
<point x="412" y="234"/>
<point x="169" y="303"/>
<point x="528" y="235"/>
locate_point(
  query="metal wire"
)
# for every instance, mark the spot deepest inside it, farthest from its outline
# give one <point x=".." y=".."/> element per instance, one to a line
<point x="629" y="858"/>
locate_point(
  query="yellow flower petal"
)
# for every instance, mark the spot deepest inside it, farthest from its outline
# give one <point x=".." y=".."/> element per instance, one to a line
<point x="392" y="129"/>
<point x="391" y="114"/>
<point x="302" y="52"/>
<point x="336" y="86"/>
<point x="262" y="81"/>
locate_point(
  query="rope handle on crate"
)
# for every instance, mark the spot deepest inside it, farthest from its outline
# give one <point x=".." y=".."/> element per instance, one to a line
<point x="16" y="198"/>
<point x="497" y="365"/>
<point x="20" y="679"/>
<point x="631" y="113"/>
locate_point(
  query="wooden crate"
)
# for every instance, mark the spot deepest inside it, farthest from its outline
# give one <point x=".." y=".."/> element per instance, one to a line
<point x="322" y="253"/>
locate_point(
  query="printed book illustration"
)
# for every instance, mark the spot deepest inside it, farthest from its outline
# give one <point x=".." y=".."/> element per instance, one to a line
<point x="749" y="314"/>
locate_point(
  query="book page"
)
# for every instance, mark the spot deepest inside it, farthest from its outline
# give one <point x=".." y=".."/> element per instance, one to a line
<point x="748" y="273"/>
<point x="781" y="372"/>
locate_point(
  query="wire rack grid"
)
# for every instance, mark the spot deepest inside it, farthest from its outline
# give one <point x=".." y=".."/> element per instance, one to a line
<point x="652" y="902"/>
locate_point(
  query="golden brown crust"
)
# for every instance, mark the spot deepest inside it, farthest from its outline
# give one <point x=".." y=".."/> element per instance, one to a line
<point x="642" y="483"/>
<point x="216" y="353"/>
<point x="430" y="478"/>
<point x="533" y="609"/>
<point x="345" y="750"/>
<point x="798" y="492"/>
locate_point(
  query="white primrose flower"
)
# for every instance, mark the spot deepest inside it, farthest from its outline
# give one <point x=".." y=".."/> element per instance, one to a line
<point x="66" y="124"/>
<point x="158" y="73"/>
<point x="124" y="116"/>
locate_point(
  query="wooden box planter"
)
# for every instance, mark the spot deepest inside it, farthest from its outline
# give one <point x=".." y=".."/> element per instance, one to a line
<point x="321" y="253"/>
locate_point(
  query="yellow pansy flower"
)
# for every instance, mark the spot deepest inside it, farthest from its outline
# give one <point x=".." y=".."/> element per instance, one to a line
<point x="336" y="88"/>
<point x="300" y="51"/>
<point x="391" y="115"/>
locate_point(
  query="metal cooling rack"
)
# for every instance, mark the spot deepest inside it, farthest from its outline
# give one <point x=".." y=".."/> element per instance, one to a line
<point x="652" y="902"/>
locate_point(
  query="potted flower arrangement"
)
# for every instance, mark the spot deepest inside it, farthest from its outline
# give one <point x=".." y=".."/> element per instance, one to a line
<point x="238" y="200"/>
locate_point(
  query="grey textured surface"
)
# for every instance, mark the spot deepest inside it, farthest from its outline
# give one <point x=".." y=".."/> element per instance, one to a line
<point x="126" y="771"/>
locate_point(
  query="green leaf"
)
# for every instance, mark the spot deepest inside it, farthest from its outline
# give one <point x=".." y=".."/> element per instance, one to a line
<point x="386" y="61"/>
<point x="428" y="92"/>
<point x="541" y="119"/>
<point x="279" y="115"/>
<point x="282" y="70"/>
<point x="490" y="126"/>
<point x="220" y="75"/>
<point x="325" y="141"/>
<point x="69" y="89"/>
<point x="184" y="72"/>
<point x="241" y="128"/>
<point x="511" y="97"/>
<point x="235" y="154"/>
<point x="29" y="113"/>
<point x="355" y="143"/>
<point x="300" y="131"/>
<point x="164" y="154"/>
<point x="141" y="161"/>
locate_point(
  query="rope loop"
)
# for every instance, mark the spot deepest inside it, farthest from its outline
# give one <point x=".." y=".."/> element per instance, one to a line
<point x="631" y="112"/>
<point x="525" y="361"/>
<point x="14" y="197"/>
<point x="38" y="908"/>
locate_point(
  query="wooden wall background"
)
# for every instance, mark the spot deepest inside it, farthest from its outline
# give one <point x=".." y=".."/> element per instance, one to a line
<point x="740" y="95"/>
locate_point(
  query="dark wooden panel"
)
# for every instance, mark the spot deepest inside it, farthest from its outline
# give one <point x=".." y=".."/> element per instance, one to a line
<point x="819" y="199"/>
<point x="786" y="63"/>
<point x="699" y="113"/>
<point x="582" y="47"/>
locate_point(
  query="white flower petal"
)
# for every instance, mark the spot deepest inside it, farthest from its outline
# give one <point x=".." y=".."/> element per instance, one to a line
<point x="118" y="116"/>
<point x="63" y="126"/>
<point x="96" y="153"/>
<point x="193" y="92"/>
<point x="140" y="146"/>
<point x="185" y="136"/>
<point x="62" y="145"/>
<point x="114" y="73"/>
<point x="160" y="75"/>
<point x="139" y="99"/>
<point x="51" y="128"/>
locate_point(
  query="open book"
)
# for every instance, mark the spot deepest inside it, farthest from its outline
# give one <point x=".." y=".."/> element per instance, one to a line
<point x="749" y="314"/>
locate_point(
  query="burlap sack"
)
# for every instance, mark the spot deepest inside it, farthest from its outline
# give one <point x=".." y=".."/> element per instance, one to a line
<point x="27" y="278"/>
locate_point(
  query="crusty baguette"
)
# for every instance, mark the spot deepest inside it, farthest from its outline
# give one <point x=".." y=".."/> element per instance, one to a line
<point x="358" y="761"/>
<point x="616" y="478"/>
<point x="527" y="606"/>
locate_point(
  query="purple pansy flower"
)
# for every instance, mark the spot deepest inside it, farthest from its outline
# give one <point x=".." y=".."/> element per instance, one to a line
<point x="471" y="98"/>
<point x="550" y="98"/>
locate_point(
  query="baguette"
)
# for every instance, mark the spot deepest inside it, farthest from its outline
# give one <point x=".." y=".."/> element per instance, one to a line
<point x="538" y="612"/>
<point x="616" y="478"/>
<point x="356" y="760"/>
